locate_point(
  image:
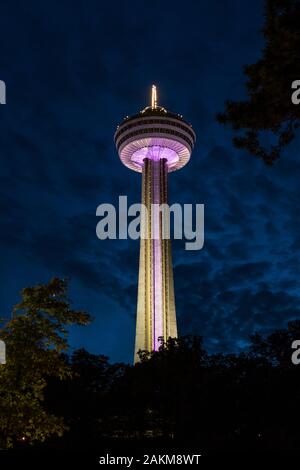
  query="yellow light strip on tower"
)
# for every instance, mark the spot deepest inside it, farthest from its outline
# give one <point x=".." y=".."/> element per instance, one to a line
<point x="154" y="97"/>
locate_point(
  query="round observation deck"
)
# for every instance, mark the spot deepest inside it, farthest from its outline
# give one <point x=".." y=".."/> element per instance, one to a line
<point x="154" y="133"/>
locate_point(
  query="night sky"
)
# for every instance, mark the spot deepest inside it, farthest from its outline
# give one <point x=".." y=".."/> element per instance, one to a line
<point x="73" y="70"/>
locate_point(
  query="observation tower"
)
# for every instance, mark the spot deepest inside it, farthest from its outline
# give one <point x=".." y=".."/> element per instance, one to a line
<point x="154" y="142"/>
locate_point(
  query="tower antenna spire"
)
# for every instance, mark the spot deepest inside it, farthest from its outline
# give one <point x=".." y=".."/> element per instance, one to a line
<point x="154" y="97"/>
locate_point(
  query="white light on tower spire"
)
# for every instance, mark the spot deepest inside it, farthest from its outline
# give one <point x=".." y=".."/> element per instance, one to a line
<point x="154" y="97"/>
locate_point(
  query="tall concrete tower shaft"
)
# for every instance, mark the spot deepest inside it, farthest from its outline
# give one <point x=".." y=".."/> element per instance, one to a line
<point x="156" y="315"/>
<point x="155" y="142"/>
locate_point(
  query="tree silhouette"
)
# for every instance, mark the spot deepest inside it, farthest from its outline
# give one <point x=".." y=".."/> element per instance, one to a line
<point x="269" y="107"/>
<point x="35" y="338"/>
<point x="177" y="395"/>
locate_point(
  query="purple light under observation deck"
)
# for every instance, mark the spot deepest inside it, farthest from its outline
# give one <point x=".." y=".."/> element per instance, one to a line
<point x="155" y="152"/>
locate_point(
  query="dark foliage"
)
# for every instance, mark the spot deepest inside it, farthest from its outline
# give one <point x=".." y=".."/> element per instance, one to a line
<point x="50" y="400"/>
<point x="180" y="394"/>
<point x="35" y="337"/>
<point x="269" y="107"/>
